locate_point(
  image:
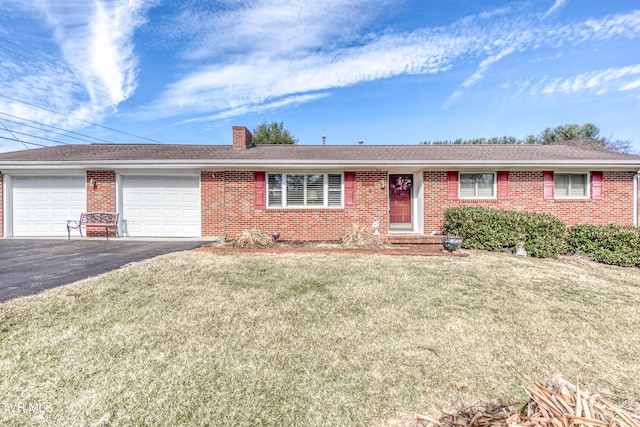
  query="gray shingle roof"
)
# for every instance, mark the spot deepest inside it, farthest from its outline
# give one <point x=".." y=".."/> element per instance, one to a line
<point x="322" y="154"/>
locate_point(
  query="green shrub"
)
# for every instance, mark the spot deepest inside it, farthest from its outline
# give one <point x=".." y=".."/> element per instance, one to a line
<point x="499" y="230"/>
<point x="608" y="244"/>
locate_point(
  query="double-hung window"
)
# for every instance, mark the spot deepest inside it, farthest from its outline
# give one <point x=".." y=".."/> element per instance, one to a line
<point x="574" y="185"/>
<point x="477" y="185"/>
<point x="314" y="190"/>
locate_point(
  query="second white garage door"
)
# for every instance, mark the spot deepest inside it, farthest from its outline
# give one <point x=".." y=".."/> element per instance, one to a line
<point x="161" y="206"/>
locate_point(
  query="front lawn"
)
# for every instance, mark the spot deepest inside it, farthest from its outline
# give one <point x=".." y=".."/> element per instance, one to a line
<point x="313" y="339"/>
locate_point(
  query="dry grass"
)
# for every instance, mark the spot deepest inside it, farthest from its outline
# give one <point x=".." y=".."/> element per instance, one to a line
<point x="313" y="339"/>
<point x="359" y="236"/>
<point x="254" y="238"/>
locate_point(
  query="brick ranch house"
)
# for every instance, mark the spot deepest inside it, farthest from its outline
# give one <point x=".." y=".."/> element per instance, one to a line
<point x="306" y="192"/>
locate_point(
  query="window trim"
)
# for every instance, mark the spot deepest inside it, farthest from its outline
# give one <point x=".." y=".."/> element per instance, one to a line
<point x="587" y="186"/>
<point x="494" y="190"/>
<point x="325" y="190"/>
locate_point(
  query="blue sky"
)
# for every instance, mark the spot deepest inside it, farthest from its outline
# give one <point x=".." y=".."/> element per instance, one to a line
<point x="385" y="71"/>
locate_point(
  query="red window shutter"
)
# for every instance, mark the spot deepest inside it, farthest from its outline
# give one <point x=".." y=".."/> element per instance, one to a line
<point x="503" y="185"/>
<point x="596" y="185"/>
<point x="452" y="193"/>
<point x="349" y="190"/>
<point x="547" y="178"/>
<point x="260" y="190"/>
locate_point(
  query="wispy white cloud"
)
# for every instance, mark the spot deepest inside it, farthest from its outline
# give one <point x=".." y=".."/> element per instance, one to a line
<point x="96" y="69"/>
<point x="559" y="4"/>
<point x="258" y="108"/>
<point x="279" y="27"/>
<point x="262" y="74"/>
<point x="599" y="82"/>
<point x="96" y="40"/>
<point x="631" y="85"/>
<point x="477" y="76"/>
<point x="258" y="79"/>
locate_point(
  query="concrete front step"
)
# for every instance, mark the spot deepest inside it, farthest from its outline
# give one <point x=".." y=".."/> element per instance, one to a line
<point x="413" y="239"/>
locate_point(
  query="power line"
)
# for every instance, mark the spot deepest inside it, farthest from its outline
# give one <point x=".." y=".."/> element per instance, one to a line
<point x="12" y="134"/>
<point x="23" y="142"/>
<point x="83" y="121"/>
<point x="39" y="137"/>
<point x="102" y="89"/>
<point x="62" y="132"/>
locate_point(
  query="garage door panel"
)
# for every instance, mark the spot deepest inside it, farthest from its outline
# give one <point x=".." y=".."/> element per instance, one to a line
<point x="153" y="197"/>
<point x="172" y="228"/>
<point x="59" y="196"/>
<point x="42" y="205"/>
<point x="153" y="213"/>
<point x="172" y="197"/>
<point x="133" y="196"/>
<point x="78" y="197"/>
<point x="191" y="198"/>
<point x="41" y="196"/>
<point x="161" y="206"/>
<point x="191" y="213"/>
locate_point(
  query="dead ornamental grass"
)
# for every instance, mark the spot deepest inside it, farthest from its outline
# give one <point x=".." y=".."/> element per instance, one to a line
<point x="313" y="339"/>
<point x="359" y="236"/>
<point x="254" y="238"/>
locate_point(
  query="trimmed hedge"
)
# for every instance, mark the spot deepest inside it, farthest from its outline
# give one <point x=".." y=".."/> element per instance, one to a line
<point x="608" y="244"/>
<point x="500" y="230"/>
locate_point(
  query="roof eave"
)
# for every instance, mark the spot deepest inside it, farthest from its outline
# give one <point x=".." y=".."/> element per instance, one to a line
<point x="226" y="164"/>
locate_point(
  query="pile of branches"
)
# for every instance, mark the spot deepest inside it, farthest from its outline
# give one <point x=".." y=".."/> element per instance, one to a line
<point x="254" y="238"/>
<point x="562" y="404"/>
<point x="360" y="236"/>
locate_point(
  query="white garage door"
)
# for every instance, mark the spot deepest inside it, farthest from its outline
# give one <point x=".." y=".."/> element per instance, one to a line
<point x="161" y="206"/>
<point x="42" y="205"/>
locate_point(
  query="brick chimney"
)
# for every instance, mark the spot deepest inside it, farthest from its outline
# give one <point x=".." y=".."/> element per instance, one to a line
<point x="242" y="138"/>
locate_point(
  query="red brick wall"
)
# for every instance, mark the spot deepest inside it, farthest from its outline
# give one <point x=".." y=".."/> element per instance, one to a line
<point x="212" y="203"/>
<point x="1" y="206"/>
<point x="228" y="206"/>
<point x="101" y="196"/>
<point x="526" y="194"/>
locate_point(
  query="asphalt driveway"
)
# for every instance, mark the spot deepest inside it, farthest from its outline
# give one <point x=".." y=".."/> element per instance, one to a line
<point x="29" y="266"/>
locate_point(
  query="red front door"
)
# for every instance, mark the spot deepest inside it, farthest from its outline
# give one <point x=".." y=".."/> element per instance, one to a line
<point x="400" y="190"/>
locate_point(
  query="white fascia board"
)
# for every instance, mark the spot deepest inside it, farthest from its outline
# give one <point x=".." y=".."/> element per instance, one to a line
<point x="9" y="167"/>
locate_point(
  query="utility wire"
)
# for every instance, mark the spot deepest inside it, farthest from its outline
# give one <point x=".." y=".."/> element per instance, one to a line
<point x="39" y="137"/>
<point x="134" y="105"/>
<point x="63" y="132"/>
<point x="23" y="142"/>
<point x="84" y="121"/>
<point x="12" y="134"/>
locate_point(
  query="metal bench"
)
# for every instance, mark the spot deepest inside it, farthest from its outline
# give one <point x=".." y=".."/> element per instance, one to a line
<point x="94" y="219"/>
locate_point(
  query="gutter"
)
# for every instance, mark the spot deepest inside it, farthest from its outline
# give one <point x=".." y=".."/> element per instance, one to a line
<point x="305" y="164"/>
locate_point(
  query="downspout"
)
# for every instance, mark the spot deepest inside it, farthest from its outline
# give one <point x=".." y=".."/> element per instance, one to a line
<point x="636" y="178"/>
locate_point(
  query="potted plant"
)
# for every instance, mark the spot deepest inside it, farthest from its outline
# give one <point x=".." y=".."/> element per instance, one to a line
<point x="451" y="243"/>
